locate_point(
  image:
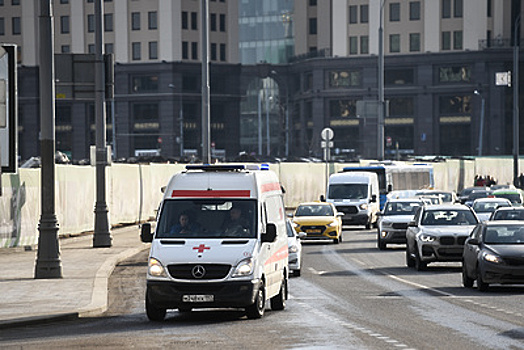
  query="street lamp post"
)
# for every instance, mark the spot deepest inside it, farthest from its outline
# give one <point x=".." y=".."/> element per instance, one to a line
<point x="380" y="116"/>
<point x="481" y="128"/>
<point x="515" y="83"/>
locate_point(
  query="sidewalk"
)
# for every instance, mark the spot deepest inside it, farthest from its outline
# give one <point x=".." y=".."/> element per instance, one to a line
<point x="81" y="292"/>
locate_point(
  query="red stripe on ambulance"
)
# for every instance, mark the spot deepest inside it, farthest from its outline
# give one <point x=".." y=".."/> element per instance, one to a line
<point x="280" y="254"/>
<point x="274" y="186"/>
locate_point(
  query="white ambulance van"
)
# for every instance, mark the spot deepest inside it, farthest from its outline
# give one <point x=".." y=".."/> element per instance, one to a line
<point x="356" y="194"/>
<point x="220" y="242"/>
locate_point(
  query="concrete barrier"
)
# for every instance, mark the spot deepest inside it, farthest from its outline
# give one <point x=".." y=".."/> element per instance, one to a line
<point x="133" y="191"/>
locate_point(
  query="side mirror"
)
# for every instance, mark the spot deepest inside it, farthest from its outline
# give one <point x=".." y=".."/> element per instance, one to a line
<point x="322" y="198"/>
<point x="145" y="233"/>
<point x="412" y="224"/>
<point x="271" y="234"/>
<point x="302" y="235"/>
<point x="380" y="213"/>
<point x="473" y="241"/>
<point x="373" y="198"/>
<point x="390" y="187"/>
<point x="340" y="214"/>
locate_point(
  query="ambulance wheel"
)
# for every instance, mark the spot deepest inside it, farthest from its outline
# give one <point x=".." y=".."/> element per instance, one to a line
<point x="154" y="313"/>
<point x="278" y="302"/>
<point x="256" y="310"/>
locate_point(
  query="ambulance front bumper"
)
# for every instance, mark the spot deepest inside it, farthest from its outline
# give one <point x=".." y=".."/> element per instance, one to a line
<point x="172" y="295"/>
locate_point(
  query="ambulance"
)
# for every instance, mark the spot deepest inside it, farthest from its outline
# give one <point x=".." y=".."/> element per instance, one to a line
<point x="220" y="242"/>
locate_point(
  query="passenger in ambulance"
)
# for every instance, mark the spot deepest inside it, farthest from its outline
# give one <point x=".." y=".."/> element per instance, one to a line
<point x="237" y="225"/>
<point x="184" y="225"/>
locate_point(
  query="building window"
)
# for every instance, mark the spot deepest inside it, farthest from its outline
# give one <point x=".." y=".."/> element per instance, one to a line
<point x="90" y="23"/>
<point x="153" y="50"/>
<point x="401" y="106"/>
<point x="353" y="14"/>
<point x="394" y="43"/>
<point x="446" y="8"/>
<point x="312" y="26"/>
<point x="364" y="13"/>
<point x="394" y="12"/>
<point x="152" y="20"/>
<point x="194" y="50"/>
<point x="414" y="10"/>
<point x="145" y="123"/>
<point x="222" y="23"/>
<point x="455" y="104"/>
<point x="185" y="50"/>
<point x="213" y="22"/>
<point x="223" y="52"/>
<point x="91" y="48"/>
<point x="136" y="48"/>
<point x="414" y="42"/>
<point x="454" y="74"/>
<point x="312" y="2"/>
<point x="194" y="21"/>
<point x="185" y="20"/>
<point x="17" y="27"/>
<point x="2" y="26"/>
<point x="399" y="77"/>
<point x="457" y="40"/>
<point x="135" y="21"/>
<point x="213" y="52"/>
<point x="108" y="22"/>
<point x="353" y="45"/>
<point x="458" y="8"/>
<point x="364" y="44"/>
<point x="64" y="24"/>
<point x="344" y="79"/>
<point x="65" y="49"/>
<point x="108" y="48"/>
<point x="343" y="108"/>
<point x="15" y="2"/>
<point x="490" y="8"/>
<point x="446" y="40"/>
<point x="64" y="1"/>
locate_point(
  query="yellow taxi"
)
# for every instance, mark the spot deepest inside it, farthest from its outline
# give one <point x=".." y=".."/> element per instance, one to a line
<point x="319" y="220"/>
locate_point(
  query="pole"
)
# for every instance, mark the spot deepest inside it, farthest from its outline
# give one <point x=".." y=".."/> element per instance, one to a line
<point x="515" y="83"/>
<point x="102" y="236"/>
<point x="48" y="264"/>
<point x="287" y="123"/>
<point x="206" y="126"/>
<point x="268" y="138"/>
<point x="181" y="119"/>
<point x="481" y="126"/>
<point x="259" y="124"/>
<point x="380" y="116"/>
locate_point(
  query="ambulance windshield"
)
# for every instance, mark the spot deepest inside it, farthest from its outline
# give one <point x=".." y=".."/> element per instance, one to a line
<point x="207" y="218"/>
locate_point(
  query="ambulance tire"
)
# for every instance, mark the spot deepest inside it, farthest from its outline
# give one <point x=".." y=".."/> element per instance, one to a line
<point x="154" y="313"/>
<point x="278" y="302"/>
<point x="256" y="310"/>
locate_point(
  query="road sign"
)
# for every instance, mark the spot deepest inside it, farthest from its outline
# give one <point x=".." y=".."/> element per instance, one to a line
<point x="503" y="79"/>
<point x="327" y="134"/>
<point x="8" y="109"/>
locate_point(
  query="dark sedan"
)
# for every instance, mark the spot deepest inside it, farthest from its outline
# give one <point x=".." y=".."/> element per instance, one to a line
<point x="494" y="254"/>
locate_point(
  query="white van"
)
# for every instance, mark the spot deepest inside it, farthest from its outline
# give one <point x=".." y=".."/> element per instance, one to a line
<point x="220" y="241"/>
<point x="356" y="195"/>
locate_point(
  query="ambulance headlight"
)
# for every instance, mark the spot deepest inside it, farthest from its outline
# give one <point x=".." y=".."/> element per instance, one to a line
<point x="156" y="269"/>
<point x="363" y="206"/>
<point x="244" y="268"/>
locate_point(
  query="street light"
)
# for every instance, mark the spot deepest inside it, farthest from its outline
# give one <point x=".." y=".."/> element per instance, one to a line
<point x="180" y="119"/>
<point x="481" y="129"/>
<point x="286" y="131"/>
<point x="380" y="116"/>
<point x="515" y="82"/>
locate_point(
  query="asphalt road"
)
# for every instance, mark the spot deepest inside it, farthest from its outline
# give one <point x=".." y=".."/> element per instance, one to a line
<point x="350" y="296"/>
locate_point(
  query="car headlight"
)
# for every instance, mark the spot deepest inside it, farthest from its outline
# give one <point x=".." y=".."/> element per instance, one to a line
<point x="427" y="238"/>
<point x="156" y="269"/>
<point x="244" y="268"/>
<point x="363" y="206"/>
<point x="333" y="224"/>
<point x="492" y="258"/>
<point x="292" y="249"/>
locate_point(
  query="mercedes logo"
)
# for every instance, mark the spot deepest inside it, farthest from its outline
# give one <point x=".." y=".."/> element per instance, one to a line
<point x="198" y="271"/>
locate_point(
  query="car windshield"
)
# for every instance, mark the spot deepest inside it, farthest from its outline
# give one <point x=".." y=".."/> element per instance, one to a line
<point x="508" y="215"/>
<point x="314" y="210"/>
<point x="488" y="207"/>
<point x="204" y="218"/>
<point x="401" y="208"/>
<point x="448" y="217"/>
<point x="348" y="191"/>
<point x="511" y="234"/>
<point x="513" y="197"/>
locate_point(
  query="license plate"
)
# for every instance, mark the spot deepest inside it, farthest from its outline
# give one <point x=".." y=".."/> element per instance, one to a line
<point x="313" y="231"/>
<point x="196" y="298"/>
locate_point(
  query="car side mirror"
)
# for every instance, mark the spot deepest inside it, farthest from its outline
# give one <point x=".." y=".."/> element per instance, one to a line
<point x="373" y="198"/>
<point x="271" y="233"/>
<point x="302" y="235"/>
<point x="340" y="214"/>
<point x="412" y="224"/>
<point x="145" y="233"/>
<point x="322" y="198"/>
<point x="473" y="241"/>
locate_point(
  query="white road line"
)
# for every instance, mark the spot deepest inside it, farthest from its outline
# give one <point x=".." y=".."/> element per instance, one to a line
<point x="421" y="286"/>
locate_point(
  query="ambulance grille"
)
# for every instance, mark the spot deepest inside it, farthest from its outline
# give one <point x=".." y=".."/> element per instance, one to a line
<point x="210" y="271"/>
